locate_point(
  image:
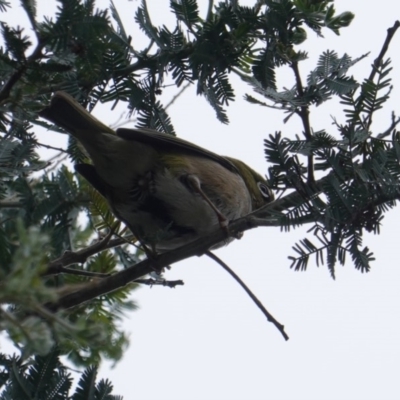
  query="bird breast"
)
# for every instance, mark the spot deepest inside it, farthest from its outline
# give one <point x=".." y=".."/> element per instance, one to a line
<point x="172" y="214"/>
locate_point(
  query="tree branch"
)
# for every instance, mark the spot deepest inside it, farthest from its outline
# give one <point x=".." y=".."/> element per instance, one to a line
<point x="197" y="247"/>
<point x="269" y="215"/>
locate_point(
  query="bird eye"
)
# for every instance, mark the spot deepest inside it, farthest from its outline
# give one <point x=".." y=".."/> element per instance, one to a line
<point x="266" y="193"/>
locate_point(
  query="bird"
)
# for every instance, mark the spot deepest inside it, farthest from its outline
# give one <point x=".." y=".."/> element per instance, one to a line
<point x="168" y="191"/>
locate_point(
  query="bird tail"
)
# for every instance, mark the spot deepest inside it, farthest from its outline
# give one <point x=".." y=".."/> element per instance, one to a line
<point x="67" y="113"/>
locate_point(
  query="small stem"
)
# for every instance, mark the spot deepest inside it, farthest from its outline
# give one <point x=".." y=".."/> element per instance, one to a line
<point x="177" y="95"/>
<point x="258" y="303"/>
<point x="378" y="60"/>
<point x="304" y="114"/>
<point x="47" y="146"/>
<point x="159" y="282"/>
<point x="72" y="271"/>
<point x="78" y="257"/>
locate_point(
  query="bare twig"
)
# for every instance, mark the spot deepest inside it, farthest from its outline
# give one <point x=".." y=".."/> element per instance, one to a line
<point x="177" y="95"/>
<point x="388" y="131"/>
<point x="375" y="66"/>
<point x="258" y="303"/>
<point x="47" y="146"/>
<point x="378" y="60"/>
<point x="52" y="166"/>
<point x="79" y="272"/>
<point x="160" y="282"/>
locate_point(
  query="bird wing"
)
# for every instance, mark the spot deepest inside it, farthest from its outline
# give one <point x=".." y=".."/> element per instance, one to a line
<point x="168" y="143"/>
<point x="68" y="114"/>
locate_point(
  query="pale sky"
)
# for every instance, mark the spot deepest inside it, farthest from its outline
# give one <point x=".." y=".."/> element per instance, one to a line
<point x="207" y="340"/>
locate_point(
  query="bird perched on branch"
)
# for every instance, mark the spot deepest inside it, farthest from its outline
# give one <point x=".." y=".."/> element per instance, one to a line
<point x="166" y="190"/>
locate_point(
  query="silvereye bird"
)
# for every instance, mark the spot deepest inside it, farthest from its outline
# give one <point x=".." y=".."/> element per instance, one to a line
<point x="166" y="190"/>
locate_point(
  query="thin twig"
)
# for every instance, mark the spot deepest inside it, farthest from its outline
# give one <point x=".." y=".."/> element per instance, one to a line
<point x="79" y="257"/>
<point x="160" y="282"/>
<point x="375" y="66"/>
<point x="304" y="114"/>
<point x="79" y="272"/>
<point x="378" y="60"/>
<point x="52" y="166"/>
<point x="257" y="302"/>
<point x="47" y="146"/>
<point x="388" y="131"/>
<point x="177" y="95"/>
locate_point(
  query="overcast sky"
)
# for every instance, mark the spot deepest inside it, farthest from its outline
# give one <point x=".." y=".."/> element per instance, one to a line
<point x="207" y="340"/>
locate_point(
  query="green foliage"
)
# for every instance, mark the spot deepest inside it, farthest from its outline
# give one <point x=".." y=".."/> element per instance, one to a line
<point x="186" y="11"/>
<point x="362" y="170"/>
<point x="233" y="37"/>
<point x="30" y="325"/>
<point x="78" y="51"/>
<point x="4" y="4"/>
<point x="370" y="99"/>
<point x="46" y="378"/>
